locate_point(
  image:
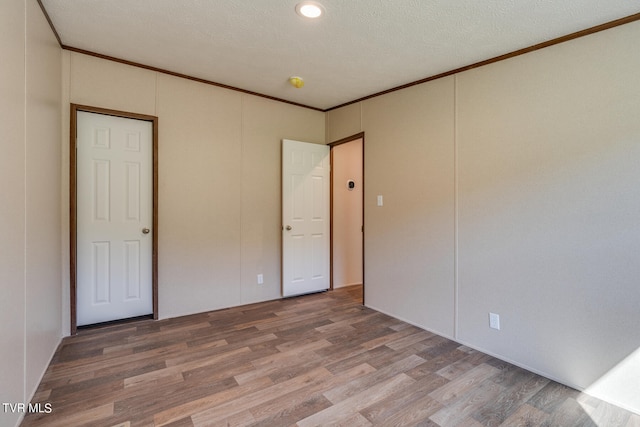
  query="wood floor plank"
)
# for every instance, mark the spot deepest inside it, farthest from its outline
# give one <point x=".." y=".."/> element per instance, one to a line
<point x="347" y="407"/>
<point x="173" y="369"/>
<point x="525" y="416"/>
<point x="320" y="359"/>
<point x="386" y="339"/>
<point x="225" y="410"/>
<point x="405" y="342"/>
<point x="569" y="413"/>
<point x="552" y="396"/>
<point x="169" y="394"/>
<point x="469" y="422"/>
<point x="352" y="420"/>
<point x="239" y="419"/>
<point x="410" y="414"/>
<point x="76" y="418"/>
<point x="349" y="355"/>
<point x="288" y="415"/>
<point x="184" y="422"/>
<point x="461" y="385"/>
<point x="170" y="414"/>
<point x="343" y="392"/>
<point x="297" y="404"/>
<point x="606" y="414"/>
<point x="285" y="368"/>
<point x="408" y="406"/>
<point x="519" y="387"/>
<point x="88" y="366"/>
<point x="455" y="369"/>
<point x="466" y="402"/>
<point x="276" y="363"/>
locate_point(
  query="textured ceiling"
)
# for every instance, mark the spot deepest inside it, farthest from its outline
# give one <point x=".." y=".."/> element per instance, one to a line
<point x="359" y="47"/>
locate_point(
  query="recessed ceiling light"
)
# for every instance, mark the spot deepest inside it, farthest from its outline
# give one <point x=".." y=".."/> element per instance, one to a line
<point x="309" y="9"/>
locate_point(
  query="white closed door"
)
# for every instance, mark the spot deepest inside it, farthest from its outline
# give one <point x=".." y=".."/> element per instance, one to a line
<point x="305" y="217"/>
<point x="114" y="214"/>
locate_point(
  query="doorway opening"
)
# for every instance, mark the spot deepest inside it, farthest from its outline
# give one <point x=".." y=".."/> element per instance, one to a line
<point x="91" y="210"/>
<point x="347" y="212"/>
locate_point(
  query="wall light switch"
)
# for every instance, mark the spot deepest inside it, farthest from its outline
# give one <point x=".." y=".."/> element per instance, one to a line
<point x="379" y="200"/>
<point x="260" y="279"/>
<point x="494" y="321"/>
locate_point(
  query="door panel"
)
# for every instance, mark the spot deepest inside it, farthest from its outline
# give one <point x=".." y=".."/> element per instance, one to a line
<point x="132" y="269"/>
<point x="114" y="205"/>
<point x="133" y="196"/>
<point x="305" y="217"/>
<point x="100" y="268"/>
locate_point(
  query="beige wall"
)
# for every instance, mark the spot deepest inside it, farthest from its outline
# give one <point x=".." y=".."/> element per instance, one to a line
<point x="347" y="214"/>
<point x="43" y="187"/>
<point x="219" y="179"/>
<point x="30" y="273"/>
<point x="264" y="124"/>
<point x="12" y="221"/>
<point x="512" y="188"/>
<point x="344" y="122"/>
<point x="409" y="161"/>
<point x="549" y="148"/>
<point x="199" y="197"/>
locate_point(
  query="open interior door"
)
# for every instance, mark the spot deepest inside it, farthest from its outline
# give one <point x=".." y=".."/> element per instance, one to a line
<point x="305" y="217"/>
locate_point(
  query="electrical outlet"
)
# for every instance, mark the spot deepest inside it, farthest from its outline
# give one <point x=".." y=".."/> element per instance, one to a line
<point x="494" y="321"/>
<point x="260" y="279"/>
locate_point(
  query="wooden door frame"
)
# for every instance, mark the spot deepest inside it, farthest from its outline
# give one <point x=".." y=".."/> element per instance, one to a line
<point x="331" y="145"/>
<point x="73" y="203"/>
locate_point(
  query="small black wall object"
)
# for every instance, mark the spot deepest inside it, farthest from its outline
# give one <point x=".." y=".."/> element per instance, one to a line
<point x="351" y="184"/>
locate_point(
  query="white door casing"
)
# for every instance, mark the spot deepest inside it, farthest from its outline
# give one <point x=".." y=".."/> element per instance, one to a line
<point x="305" y="217"/>
<point x="114" y="217"/>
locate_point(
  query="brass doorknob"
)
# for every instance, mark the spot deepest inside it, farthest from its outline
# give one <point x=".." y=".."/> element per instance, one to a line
<point x="145" y="230"/>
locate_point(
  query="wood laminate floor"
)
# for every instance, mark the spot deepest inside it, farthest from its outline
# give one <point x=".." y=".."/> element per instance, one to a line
<point x="320" y="359"/>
